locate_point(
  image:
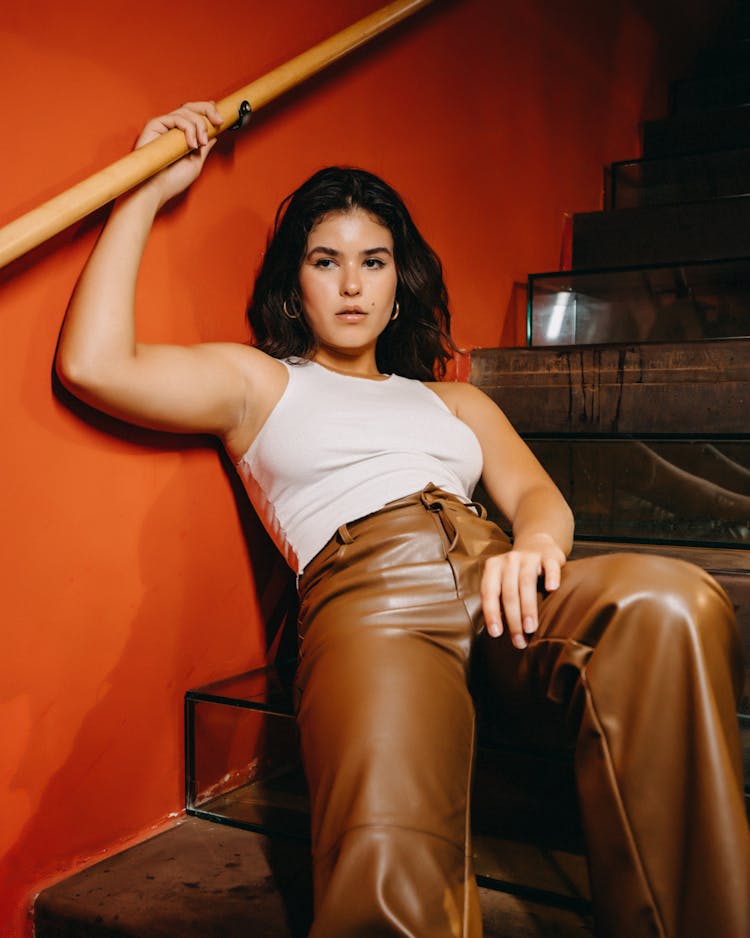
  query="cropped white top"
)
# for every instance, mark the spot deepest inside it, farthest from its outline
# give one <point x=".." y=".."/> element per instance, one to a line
<point x="336" y="448"/>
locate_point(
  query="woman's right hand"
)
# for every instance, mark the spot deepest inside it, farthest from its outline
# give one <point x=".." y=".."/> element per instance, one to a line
<point x="191" y="120"/>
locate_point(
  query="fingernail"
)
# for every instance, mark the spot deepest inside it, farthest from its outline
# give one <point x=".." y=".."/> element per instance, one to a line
<point x="495" y="629"/>
<point x="529" y="624"/>
<point x="519" y="641"/>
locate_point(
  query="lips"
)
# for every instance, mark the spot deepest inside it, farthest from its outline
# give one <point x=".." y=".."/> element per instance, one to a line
<point x="351" y="314"/>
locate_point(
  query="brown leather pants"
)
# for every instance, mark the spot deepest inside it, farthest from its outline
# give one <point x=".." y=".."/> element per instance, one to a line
<point x="643" y="650"/>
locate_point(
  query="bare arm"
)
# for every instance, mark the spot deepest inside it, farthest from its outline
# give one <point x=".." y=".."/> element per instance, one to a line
<point x="522" y="490"/>
<point x="203" y="388"/>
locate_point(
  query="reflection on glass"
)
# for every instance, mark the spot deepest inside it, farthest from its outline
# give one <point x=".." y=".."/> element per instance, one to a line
<point x="691" y="492"/>
<point x="671" y="303"/>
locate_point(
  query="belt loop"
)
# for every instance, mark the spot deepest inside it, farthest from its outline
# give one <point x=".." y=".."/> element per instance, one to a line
<point x="479" y="509"/>
<point x="434" y="503"/>
<point x="344" y="535"/>
<point x="428" y="498"/>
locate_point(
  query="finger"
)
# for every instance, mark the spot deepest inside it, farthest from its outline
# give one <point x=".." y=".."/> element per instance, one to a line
<point x="528" y="579"/>
<point x="151" y="130"/>
<point x="194" y="126"/>
<point x="190" y="118"/>
<point x="552" y="573"/>
<point x="174" y="121"/>
<point x="207" y="110"/>
<point x="191" y="124"/>
<point x="511" y="602"/>
<point x="490" y="594"/>
<point x="204" y="151"/>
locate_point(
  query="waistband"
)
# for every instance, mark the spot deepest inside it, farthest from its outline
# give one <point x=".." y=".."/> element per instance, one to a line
<point x="431" y="498"/>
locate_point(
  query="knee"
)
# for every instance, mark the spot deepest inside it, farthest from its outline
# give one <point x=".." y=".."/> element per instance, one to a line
<point x="661" y="598"/>
<point x="681" y="590"/>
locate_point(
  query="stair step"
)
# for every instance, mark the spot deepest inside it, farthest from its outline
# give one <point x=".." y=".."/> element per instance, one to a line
<point x="670" y="303"/>
<point x="663" y="234"/>
<point x="741" y="21"/>
<point x="726" y="58"/>
<point x="687" y="390"/>
<point x="202" y="880"/>
<point x="196" y="880"/>
<point x="524" y="795"/>
<point x="689" y="178"/>
<point x="699" y="132"/>
<point x="709" y="92"/>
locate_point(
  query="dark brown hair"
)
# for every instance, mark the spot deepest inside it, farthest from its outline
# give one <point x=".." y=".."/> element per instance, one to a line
<point x="415" y="345"/>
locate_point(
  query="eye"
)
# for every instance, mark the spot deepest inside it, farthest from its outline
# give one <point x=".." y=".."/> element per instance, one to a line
<point x="324" y="263"/>
<point x="374" y="263"/>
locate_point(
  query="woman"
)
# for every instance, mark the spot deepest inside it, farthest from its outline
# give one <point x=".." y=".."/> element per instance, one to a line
<point x="362" y="467"/>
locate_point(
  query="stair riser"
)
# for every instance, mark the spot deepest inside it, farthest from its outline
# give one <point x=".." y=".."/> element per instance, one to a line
<point x="697" y="133"/>
<point x="662" y="234"/>
<point x="689" y="178"/>
<point x="701" y="94"/>
<point x="728" y="59"/>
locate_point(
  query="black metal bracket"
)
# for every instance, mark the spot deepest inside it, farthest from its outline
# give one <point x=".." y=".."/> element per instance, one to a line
<point x="245" y="113"/>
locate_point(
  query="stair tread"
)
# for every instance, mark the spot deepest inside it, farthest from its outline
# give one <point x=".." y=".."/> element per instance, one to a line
<point x="201" y="879"/>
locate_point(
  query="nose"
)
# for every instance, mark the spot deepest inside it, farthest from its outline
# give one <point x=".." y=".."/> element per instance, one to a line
<point x="351" y="284"/>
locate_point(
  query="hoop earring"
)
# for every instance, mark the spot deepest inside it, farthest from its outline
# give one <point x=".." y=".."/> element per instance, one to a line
<point x="396" y="311"/>
<point x="287" y="313"/>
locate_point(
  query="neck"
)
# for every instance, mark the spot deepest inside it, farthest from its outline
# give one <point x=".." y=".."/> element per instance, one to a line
<point x="364" y="367"/>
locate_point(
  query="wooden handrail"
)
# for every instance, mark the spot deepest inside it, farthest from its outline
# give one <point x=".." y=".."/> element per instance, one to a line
<point x="75" y="203"/>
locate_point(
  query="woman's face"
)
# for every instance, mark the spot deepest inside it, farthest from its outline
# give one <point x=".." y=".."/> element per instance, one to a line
<point x="348" y="283"/>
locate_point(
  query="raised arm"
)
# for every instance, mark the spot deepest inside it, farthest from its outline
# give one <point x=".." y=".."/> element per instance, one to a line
<point x="202" y="388"/>
<point x="541" y="519"/>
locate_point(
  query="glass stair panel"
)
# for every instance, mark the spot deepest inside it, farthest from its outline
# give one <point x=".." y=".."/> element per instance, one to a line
<point x="693" y="177"/>
<point x="243" y="769"/>
<point x="672" y="302"/>
<point x="694" y="492"/>
<point x="240" y="736"/>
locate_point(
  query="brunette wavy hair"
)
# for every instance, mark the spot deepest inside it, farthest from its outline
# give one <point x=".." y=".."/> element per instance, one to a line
<point x="418" y="343"/>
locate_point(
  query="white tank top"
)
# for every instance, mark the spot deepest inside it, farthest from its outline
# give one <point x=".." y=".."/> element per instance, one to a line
<point x="336" y="448"/>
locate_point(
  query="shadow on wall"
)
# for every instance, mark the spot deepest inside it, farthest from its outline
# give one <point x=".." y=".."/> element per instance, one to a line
<point x="127" y="750"/>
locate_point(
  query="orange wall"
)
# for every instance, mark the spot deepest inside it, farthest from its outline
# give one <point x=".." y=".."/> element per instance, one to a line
<point x="128" y="573"/>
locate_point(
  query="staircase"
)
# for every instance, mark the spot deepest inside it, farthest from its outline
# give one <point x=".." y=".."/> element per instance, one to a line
<point x="634" y="390"/>
<point x="638" y="357"/>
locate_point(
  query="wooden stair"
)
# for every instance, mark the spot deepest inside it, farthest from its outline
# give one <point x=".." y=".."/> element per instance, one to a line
<point x="201" y="880"/>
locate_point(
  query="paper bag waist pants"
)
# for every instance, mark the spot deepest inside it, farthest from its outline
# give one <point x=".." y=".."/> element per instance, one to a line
<point x="644" y="650"/>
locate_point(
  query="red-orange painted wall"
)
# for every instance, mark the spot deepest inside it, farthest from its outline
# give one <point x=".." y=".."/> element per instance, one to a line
<point x="127" y="573"/>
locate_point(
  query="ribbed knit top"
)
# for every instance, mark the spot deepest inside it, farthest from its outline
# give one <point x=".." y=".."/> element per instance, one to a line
<point x="336" y="448"/>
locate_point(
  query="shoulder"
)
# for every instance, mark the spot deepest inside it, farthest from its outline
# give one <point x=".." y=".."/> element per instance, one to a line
<point x="262" y="380"/>
<point x="476" y="409"/>
<point x="242" y="356"/>
<point x="461" y="398"/>
<point x="254" y="368"/>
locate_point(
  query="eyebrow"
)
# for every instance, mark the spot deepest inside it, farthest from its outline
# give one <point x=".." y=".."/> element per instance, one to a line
<point x="332" y="252"/>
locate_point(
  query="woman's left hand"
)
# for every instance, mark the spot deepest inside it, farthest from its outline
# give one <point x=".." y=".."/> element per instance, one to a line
<point x="510" y="583"/>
